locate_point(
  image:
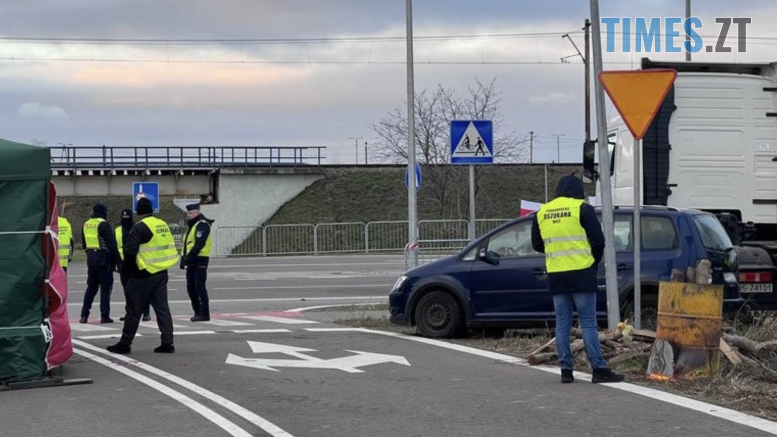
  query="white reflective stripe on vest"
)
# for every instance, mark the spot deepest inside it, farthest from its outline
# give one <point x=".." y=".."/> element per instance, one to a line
<point x="164" y="258"/>
<point x="568" y="253"/>
<point x="156" y="248"/>
<point x="562" y="239"/>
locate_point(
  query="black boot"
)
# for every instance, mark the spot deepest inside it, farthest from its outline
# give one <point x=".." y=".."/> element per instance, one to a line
<point x="146" y="317"/>
<point x="605" y="375"/>
<point x="567" y="376"/>
<point x="200" y="318"/>
<point x="165" y="348"/>
<point x="119" y="348"/>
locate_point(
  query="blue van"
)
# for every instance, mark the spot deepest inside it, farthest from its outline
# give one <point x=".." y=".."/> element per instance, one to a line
<point x="499" y="281"/>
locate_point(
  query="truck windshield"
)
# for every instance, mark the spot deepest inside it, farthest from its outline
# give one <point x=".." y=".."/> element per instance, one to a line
<point x="713" y="236"/>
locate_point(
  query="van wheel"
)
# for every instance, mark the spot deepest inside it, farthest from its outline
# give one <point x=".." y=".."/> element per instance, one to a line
<point x="649" y="311"/>
<point x="438" y="315"/>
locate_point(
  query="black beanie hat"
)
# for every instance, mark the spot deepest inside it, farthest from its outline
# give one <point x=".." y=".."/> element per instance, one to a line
<point x="100" y="210"/>
<point x="144" y="206"/>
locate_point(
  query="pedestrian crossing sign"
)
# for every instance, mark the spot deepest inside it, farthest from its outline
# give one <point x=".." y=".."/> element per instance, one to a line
<point x="472" y="142"/>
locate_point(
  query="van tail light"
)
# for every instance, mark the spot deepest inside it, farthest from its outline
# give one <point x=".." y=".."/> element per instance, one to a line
<point x="756" y="277"/>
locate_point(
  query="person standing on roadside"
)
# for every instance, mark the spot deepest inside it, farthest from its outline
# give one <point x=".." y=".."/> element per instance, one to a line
<point x="197" y="245"/>
<point x="102" y="257"/>
<point x="123" y="229"/>
<point x="568" y="232"/>
<point x="65" y="234"/>
<point x="149" y="251"/>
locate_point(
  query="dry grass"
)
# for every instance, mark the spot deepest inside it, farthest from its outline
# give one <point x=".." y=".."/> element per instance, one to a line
<point x="746" y="388"/>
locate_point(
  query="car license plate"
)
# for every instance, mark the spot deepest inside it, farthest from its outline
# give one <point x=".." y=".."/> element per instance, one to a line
<point x="755" y="288"/>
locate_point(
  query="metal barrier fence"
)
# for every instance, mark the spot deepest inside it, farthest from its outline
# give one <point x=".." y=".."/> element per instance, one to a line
<point x="437" y="238"/>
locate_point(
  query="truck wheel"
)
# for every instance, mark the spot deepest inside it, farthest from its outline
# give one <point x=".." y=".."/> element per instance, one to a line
<point x="438" y="315"/>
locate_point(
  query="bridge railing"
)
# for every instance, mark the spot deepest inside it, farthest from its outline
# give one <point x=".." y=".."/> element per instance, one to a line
<point x="126" y="158"/>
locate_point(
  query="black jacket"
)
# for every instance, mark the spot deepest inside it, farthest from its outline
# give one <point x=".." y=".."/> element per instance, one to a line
<point x="201" y="234"/>
<point x="139" y="234"/>
<point x="578" y="280"/>
<point x="109" y="256"/>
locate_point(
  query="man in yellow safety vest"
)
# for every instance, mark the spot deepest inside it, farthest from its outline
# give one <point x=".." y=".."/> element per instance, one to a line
<point x="123" y="228"/>
<point x="568" y="232"/>
<point x="102" y="257"/>
<point x="149" y="251"/>
<point x="65" y="234"/>
<point x="197" y="245"/>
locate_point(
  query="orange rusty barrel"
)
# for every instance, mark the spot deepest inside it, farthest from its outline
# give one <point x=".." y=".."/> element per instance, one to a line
<point x="689" y="330"/>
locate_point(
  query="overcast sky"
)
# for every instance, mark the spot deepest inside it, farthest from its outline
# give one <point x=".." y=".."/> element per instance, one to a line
<point x="305" y="92"/>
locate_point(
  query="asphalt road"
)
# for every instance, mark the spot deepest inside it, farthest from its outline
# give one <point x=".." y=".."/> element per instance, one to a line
<point x="264" y="366"/>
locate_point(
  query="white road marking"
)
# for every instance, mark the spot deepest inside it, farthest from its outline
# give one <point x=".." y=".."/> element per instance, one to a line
<point x="305" y="287"/>
<point x="153" y="325"/>
<point x="219" y="322"/>
<point x="270" y="265"/>
<point x="100" y="337"/>
<point x="250" y="416"/>
<point x="269" y="299"/>
<point x="691" y="404"/>
<point x="302" y="309"/>
<point x="86" y="327"/>
<point x="259" y="331"/>
<point x="283" y="320"/>
<point x="221" y="421"/>
<point x="349" y="364"/>
<point x="195" y="332"/>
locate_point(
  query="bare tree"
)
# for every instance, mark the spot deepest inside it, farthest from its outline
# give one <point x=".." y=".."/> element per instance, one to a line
<point x="434" y="111"/>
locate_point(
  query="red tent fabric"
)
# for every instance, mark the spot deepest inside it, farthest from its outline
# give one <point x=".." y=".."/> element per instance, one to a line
<point x="60" y="347"/>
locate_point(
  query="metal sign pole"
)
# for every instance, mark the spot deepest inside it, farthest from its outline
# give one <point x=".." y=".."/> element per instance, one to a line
<point x="613" y="299"/>
<point x="471" y="202"/>
<point x="637" y="235"/>
<point x="412" y="211"/>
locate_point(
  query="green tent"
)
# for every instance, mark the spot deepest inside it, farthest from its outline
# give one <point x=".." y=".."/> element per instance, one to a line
<point x="24" y="177"/>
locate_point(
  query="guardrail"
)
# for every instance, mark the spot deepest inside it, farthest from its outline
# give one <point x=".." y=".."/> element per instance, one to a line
<point x="436" y="238"/>
<point x="174" y="158"/>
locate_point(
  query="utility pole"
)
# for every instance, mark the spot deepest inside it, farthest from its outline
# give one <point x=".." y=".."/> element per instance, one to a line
<point x="365" y="153"/>
<point x="611" y="272"/>
<point x="558" y="147"/>
<point x="531" y="147"/>
<point x="412" y="207"/>
<point x="687" y="28"/>
<point x="356" y="143"/>
<point x="587" y="61"/>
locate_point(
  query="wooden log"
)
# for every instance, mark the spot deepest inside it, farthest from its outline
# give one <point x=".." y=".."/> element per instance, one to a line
<point x="676" y="275"/>
<point x="744" y="344"/>
<point x="729" y="353"/>
<point x="544" y="346"/>
<point x="643" y="335"/>
<point x="575" y="346"/>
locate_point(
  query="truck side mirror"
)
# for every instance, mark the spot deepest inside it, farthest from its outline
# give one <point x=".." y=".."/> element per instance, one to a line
<point x="589" y="166"/>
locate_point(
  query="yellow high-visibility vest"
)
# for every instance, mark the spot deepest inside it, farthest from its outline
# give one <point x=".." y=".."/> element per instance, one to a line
<point x="566" y="243"/>
<point x="119" y="241"/>
<point x="158" y="254"/>
<point x="65" y="234"/>
<point x="91" y="236"/>
<point x="190" y="238"/>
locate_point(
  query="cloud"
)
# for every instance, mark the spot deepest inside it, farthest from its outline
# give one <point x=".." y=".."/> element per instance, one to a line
<point x="36" y="110"/>
<point x="554" y="98"/>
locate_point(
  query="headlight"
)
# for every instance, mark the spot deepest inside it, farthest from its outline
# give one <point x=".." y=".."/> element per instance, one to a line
<point x="730" y="277"/>
<point x="400" y="282"/>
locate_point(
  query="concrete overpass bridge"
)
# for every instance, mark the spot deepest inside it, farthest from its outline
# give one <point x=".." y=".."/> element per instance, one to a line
<point x="237" y="186"/>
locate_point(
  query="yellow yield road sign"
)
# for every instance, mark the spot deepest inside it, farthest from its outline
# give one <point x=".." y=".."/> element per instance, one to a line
<point x="638" y="95"/>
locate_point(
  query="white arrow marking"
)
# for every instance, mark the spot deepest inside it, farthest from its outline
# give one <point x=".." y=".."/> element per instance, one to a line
<point x="347" y="364"/>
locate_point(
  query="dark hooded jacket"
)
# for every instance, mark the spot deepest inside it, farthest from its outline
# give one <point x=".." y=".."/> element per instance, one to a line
<point x="578" y="280"/>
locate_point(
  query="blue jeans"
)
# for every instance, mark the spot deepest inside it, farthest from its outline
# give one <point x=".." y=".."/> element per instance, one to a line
<point x="586" y="310"/>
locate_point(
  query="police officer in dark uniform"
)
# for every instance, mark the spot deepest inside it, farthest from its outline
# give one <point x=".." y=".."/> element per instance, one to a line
<point x="149" y="251"/>
<point x="124" y="228"/>
<point x="102" y="257"/>
<point x="197" y="246"/>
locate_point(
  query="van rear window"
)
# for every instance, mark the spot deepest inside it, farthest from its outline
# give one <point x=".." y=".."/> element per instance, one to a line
<point x="713" y="236"/>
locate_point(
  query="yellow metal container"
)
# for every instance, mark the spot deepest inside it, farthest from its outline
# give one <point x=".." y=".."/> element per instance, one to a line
<point x="689" y="330"/>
